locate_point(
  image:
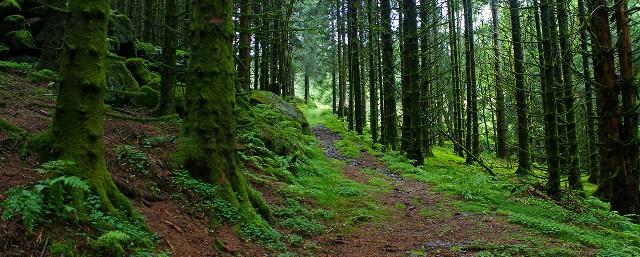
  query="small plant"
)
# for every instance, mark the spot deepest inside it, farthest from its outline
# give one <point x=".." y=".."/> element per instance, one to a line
<point x="157" y="141"/>
<point x="304" y="226"/>
<point x="133" y="158"/>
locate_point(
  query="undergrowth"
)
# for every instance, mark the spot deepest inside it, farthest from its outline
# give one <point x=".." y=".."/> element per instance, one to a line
<point x="68" y="202"/>
<point x="577" y="221"/>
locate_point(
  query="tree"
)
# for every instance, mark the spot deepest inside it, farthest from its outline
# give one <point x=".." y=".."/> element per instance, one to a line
<point x="166" y="105"/>
<point x="473" y="143"/>
<point x="390" y="112"/>
<point x="411" y="92"/>
<point x="244" y="65"/>
<point x="520" y="94"/>
<point x="342" y="80"/>
<point x="76" y="133"/>
<point x="626" y="197"/>
<point x="355" y="93"/>
<point x="207" y="147"/>
<point x="592" y="151"/>
<point x="455" y="76"/>
<point x="51" y="35"/>
<point x="549" y="101"/>
<point x="373" y="99"/>
<point x="501" y="131"/>
<point x="147" y="31"/>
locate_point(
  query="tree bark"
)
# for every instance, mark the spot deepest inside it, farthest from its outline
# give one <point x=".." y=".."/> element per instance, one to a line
<point x="501" y="123"/>
<point x="389" y="81"/>
<point x="244" y="65"/>
<point x="166" y="105"/>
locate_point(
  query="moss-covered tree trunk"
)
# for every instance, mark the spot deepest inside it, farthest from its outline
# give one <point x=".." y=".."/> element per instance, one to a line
<point x="244" y="66"/>
<point x="166" y="104"/>
<point x="76" y="133"/>
<point x="372" y="54"/>
<point x="207" y="146"/>
<point x="342" y="73"/>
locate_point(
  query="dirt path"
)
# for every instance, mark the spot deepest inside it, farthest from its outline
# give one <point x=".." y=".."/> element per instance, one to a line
<point x="419" y="221"/>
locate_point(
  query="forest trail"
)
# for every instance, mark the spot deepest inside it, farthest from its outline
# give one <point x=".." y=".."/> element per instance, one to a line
<point x="420" y="222"/>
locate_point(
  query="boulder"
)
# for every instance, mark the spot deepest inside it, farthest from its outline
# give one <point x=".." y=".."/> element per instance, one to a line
<point x="284" y="107"/>
<point x="120" y="28"/>
<point x="119" y="80"/>
<point x="147" y="97"/>
<point x="21" y="42"/>
<point x="139" y="69"/>
<point x="9" y="7"/>
<point x="14" y="22"/>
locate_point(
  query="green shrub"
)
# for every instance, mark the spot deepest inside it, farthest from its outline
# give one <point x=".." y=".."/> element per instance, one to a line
<point x="133" y="158"/>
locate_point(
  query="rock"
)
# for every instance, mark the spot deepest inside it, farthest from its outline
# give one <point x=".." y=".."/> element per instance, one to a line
<point x="139" y="69"/>
<point x="4" y="49"/>
<point x="9" y="7"/>
<point x="148" y="51"/>
<point x="286" y="108"/>
<point x="147" y="97"/>
<point x="121" y="29"/>
<point x="21" y="42"/>
<point x="14" y="22"/>
<point x="119" y="80"/>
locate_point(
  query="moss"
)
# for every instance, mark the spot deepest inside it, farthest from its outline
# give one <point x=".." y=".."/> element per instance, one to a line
<point x="147" y="98"/>
<point x="21" y="41"/>
<point x="147" y="50"/>
<point x="14" y="22"/>
<point x="269" y="98"/>
<point x="9" y="7"/>
<point x="120" y="29"/>
<point x="119" y="78"/>
<point x="76" y="133"/>
<point x="42" y="76"/>
<point x="140" y="72"/>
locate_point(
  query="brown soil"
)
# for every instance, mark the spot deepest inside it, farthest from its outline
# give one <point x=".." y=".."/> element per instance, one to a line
<point x="418" y="219"/>
<point x="183" y="232"/>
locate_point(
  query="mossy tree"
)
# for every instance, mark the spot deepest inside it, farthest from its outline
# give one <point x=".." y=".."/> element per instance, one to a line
<point x="207" y="147"/>
<point x="76" y="133"/>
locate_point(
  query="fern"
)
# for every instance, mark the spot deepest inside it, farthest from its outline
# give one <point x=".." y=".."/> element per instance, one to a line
<point x="23" y="202"/>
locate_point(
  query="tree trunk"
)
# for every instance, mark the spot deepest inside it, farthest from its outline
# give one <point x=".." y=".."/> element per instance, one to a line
<point x="76" y="133"/>
<point x="306" y="87"/>
<point x="147" y="30"/>
<point x="411" y="92"/>
<point x="472" y="96"/>
<point x="501" y="123"/>
<point x="244" y="65"/>
<point x="625" y="197"/>
<point x="426" y="66"/>
<point x="166" y="104"/>
<point x="207" y="146"/>
<point x="342" y="80"/>
<point x="51" y="36"/>
<point x="521" y="94"/>
<point x="356" y="104"/>
<point x="455" y="76"/>
<point x="373" y="99"/>
<point x="389" y="81"/>
<point x="592" y="151"/>
<point x="549" y="102"/>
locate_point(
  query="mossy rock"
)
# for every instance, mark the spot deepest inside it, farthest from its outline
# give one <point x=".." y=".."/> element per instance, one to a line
<point x="121" y="29"/>
<point x="139" y="69"/>
<point x="119" y="80"/>
<point x="147" y="97"/>
<point x="14" y="22"/>
<point x="4" y="49"/>
<point x="155" y="84"/>
<point x="9" y="7"/>
<point x="284" y="107"/>
<point x="21" y="42"/>
<point x="147" y="50"/>
<point x="42" y="76"/>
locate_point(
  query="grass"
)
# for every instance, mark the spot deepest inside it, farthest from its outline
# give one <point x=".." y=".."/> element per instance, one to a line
<point x="576" y="222"/>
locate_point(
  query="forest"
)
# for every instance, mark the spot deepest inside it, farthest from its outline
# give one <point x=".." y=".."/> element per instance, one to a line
<point x="134" y="128"/>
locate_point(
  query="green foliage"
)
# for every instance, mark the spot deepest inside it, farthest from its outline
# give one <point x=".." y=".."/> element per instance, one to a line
<point x="133" y="158"/>
<point x="158" y="141"/>
<point x="303" y="226"/>
<point x="23" y="202"/>
<point x="23" y="66"/>
<point x="69" y="201"/>
<point x="42" y="76"/>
